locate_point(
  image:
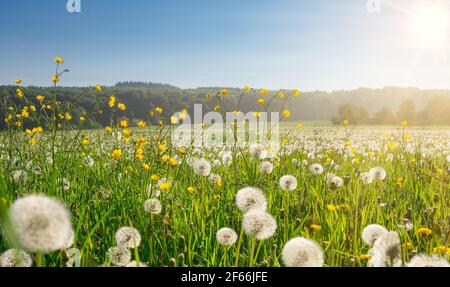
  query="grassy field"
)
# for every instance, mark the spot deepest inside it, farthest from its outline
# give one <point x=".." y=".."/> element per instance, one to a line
<point x="104" y="193"/>
<point x="123" y="196"/>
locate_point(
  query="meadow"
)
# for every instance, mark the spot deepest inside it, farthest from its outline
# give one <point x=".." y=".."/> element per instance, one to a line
<point x="331" y="196"/>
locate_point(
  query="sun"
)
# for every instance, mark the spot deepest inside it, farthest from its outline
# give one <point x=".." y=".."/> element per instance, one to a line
<point x="430" y="23"/>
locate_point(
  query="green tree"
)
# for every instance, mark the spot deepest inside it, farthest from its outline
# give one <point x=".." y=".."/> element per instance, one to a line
<point x="353" y="113"/>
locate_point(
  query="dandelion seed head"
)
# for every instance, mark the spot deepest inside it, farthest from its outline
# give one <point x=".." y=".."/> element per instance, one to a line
<point x="386" y="251"/>
<point x="302" y="252"/>
<point x="202" y="167"/>
<point x="422" y="260"/>
<point x="40" y="223"/>
<point x="153" y="206"/>
<point x="15" y="258"/>
<point x="249" y="198"/>
<point x="372" y="232"/>
<point x="378" y="173"/>
<point x="259" y="224"/>
<point x="119" y="255"/>
<point x="366" y="177"/>
<point x="266" y="167"/>
<point x="288" y="183"/>
<point x="226" y="236"/>
<point x="128" y="237"/>
<point x="316" y="169"/>
<point x="258" y="151"/>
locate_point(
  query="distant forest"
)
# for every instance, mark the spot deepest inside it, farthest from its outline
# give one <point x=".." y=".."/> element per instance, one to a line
<point x="361" y="106"/>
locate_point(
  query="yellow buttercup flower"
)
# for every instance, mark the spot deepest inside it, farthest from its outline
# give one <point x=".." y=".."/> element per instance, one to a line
<point x="162" y="148"/>
<point x="295" y="93"/>
<point x="142" y="124"/>
<point x="123" y="124"/>
<point x="165" y="186"/>
<point x="316" y="227"/>
<point x="98" y="88"/>
<point x="86" y="141"/>
<point x="224" y="92"/>
<point x="82" y="119"/>
<point x="55" y="79"/>
<point x="59" y="60"/>
<point x="40" y="98"/>
<point x="404" y="123"/>
<point x="281" y="94"/>
<point x="19" y="93"/>
<point x="68" y="117"/>
<point x="18" y="81"/>
<point x="408" y="245"/>
<point x="155" y="177"/>
<point x="261" y="101"/>
<point x="121" y="106"/>
<point x="217" y="108"/>
<point x="286" y="114"/>
<point x="190" y="189"/>
<point x="112" y="101"/>
<point x="173" y="161"/>
<point x="159" y="110"/>
<point x="364" y="257"/>
<point x="424" y="231"/>
<point x="127" y="132"/>
<point x="117" y="154"/>
<point x="247" y="88"/>
<point x="108" y="129"/>
<point x="331" y="207"/>
<point x="345" y="122"/>
<point x="264" y="91"/>
<point x="300" y="126"/>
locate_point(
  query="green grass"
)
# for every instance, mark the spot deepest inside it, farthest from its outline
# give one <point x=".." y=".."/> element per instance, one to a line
<point x="185" y="231"/>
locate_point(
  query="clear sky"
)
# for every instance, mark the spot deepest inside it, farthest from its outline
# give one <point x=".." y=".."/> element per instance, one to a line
<point x="320" y="44"/>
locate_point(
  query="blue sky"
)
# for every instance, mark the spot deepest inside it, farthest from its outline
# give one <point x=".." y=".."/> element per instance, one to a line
<point x="311" y="45"/>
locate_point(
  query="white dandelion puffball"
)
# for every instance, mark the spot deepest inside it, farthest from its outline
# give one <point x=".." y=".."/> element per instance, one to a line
<point x="337" y="181"/>
<point x="288" y="183"/>
<point x="128" y="237"/>
<point x="249" y="198"/>
<point x="15" y="258"/>
<point x="316" y="169"/>
<point x="40" y="223"/>
<point x="258" y="151"/>
<point x="266" y="167"/>
<point x="386" y="251"/>
<point x="259" y="224"/>
<point x="226" y="236"/>
<point x="302" y="252"/>
<point x="366" y="178"/>
<point x="135" y="264"/>
<point x="378" y="173"/>
<point x="119" y="256"/>
<point x="422" y="260"/>
<point x="202" y="167"/>
<point x="227" y="159"/>
<point x="153" y="206"/>
<point x="372" y="232"/>
<point x="88" y="161"/>
<point x="19" y="176"/>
